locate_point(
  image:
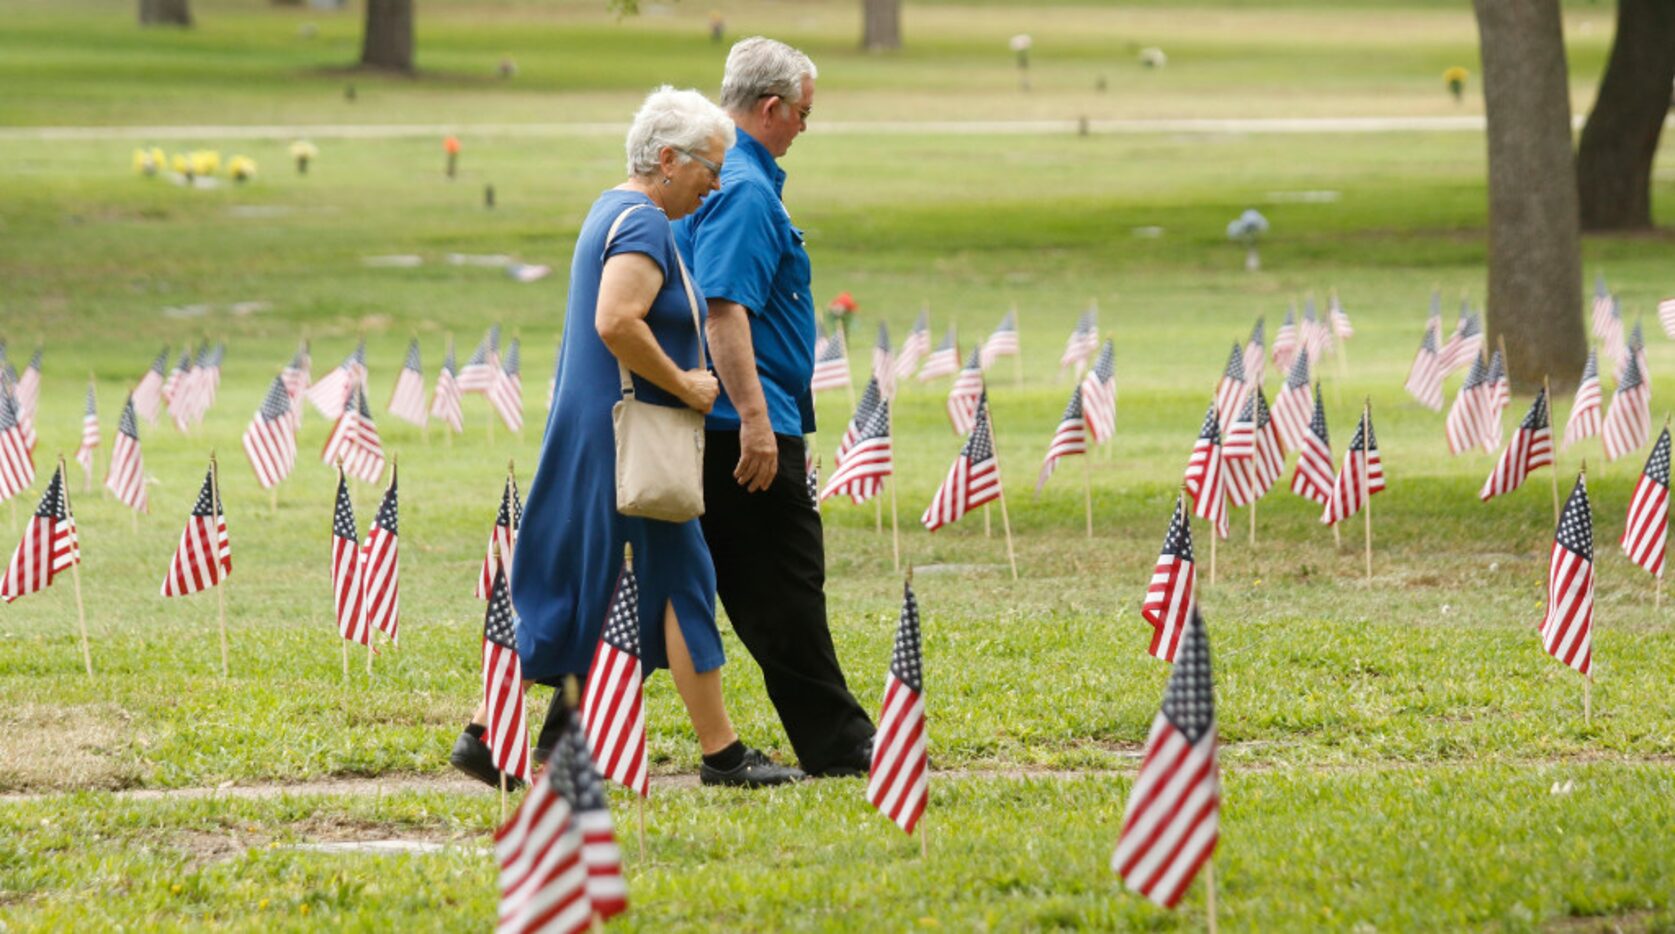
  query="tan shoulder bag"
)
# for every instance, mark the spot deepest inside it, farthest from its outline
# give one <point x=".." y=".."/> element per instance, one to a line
<point x="659" y="449"/>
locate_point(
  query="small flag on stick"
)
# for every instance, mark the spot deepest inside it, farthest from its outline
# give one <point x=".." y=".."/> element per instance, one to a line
<point x="204" y="556"/>
<point x="613" y="707"/>
<point x="898" y="782"/>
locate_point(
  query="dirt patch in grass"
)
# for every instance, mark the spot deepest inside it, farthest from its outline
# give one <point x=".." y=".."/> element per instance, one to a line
<point x="1630" y="922"/>
<point x="79" y="747"/>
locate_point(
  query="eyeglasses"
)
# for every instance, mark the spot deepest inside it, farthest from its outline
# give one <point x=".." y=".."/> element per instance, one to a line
<point x="714" y="167"/>
<point x="802" y="112"/>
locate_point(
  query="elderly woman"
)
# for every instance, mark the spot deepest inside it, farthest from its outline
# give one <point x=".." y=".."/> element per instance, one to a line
<point x="629" y="303"/>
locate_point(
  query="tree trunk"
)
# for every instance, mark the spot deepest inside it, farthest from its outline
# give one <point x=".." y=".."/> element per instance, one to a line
<point x="880" y="25"/>
<point x="1614" y="162"/>
<point x="388" y="42"/>
<point x="1535" y="261"/>
<point x="165" y="13"/>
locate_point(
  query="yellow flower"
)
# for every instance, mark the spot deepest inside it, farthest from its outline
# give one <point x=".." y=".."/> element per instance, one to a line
<point x="205" y="162"/>
<point x="175" y="888"/>
<point x="241" y="168"/>
<point x="1455" y="75"/>
<point x="303" y="149"/>
<point x="143" y="163"/>
<point x="262" y="905"/>
<point x="158" y="157"/>
<point x="303" y="908"/>
<point x="179" y="164"/>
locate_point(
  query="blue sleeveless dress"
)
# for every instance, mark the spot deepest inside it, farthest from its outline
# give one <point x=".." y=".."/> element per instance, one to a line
<point x="569" y="549"/>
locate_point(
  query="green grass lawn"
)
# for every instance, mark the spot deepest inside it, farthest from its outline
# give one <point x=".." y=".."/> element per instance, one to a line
<point x="1390" y="745"/>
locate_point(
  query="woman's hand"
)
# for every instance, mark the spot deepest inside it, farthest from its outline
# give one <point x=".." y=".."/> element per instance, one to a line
<point x="699" y="389"/>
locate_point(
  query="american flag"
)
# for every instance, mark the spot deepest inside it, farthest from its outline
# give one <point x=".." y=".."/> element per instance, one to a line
<point x="506" y="392"/>
<point x="1084" y="340"/>
<point x="1567" y="629"/>
<point x="478" y="374"/>
<point x="973" y="480"/>
<point x="25" y="424"/>
<point x="296" y="377"/>
<point x="148" y="395"/>
<point x="1499" y="397"/>
<point x="1424" y="378"/>
<point x="1468" y="419"/>
<point x="1584" y="411"/>
<point x="204" y="557"/>
<point x="606" y="888"/>
<point x="1601" y="307"/>
<point x="445" y="400"/>
<point x="89" y="435"/>
<point x="380" y="568"/>
<point x="354" y="441"/>
<point x="1313" y="479"/>
<point x="1003" y="342"/>
<point x="1466" y="344"/>
<point x="943" y="361"/>
<point x="542" y="850"/>
<point x="1233" y="389"/>
<point x="1666" y="316"/>
<point x="503" y="538"/>
<point x="1256" y="352"/>
<point x="29" y="387"/>
<point x="1615" y="347"/>
<point x="177" y="376"/>
<point x="1294" y="404"/>
<point x="17" y="459"/>
<point x="898" y="782"/>
<point x="407" y="401"/>
<point x="613" y="707"/>
<point x="1172" y="593"/>
<point x="1252" y="455"/>
<point x="194" y="392"/>
<point x="332" y="392"/>
<point x="271" y="440"/>
<point x="964" y="394"/>
<point x="884" y="362"/>
<point x="1070" y="437"/>
<point x="49" y="544"/>
<point x="1204" y="477"/>
<point x="1647" y="533"/>
<point x="1173" y="818"/>
<point x="1629" y="420"/>
<point x="1286" y="343"/>
<point x="507" y="732"/>
<point x="1342" y="329"/>
<point x="1362" y="474"/>
<point x="1316" y="338"/>
<point x="1531" y="447"/>
<point x="125" y="475"/>
<point x="1099" y="395"/>
<point x="347" y="599"/>
<point x="913" y="349"/>
<point x="831" y="363"/>
<point x="1636" y="349"/>
<point x="864" y="457"/>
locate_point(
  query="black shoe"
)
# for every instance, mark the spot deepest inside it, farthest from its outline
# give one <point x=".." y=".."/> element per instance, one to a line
<point x="755" y="771"/>
<point x="854" y="765"/>
<point x="471" y="756"/>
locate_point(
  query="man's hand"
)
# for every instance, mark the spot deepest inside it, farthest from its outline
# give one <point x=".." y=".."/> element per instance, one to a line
<point x="758" y="454"/>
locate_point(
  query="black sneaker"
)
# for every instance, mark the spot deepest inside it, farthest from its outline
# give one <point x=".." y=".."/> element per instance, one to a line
<point x="756" y="771"/>
<point x="854" y="765"/>
<point x="471" y="756"/>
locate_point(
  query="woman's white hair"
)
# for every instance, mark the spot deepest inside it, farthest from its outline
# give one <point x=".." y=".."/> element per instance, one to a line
<point x="677" y="119"/>
<point x="758" y="67"/>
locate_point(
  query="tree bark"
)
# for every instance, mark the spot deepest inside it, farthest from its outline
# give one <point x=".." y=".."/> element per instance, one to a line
<point x="880" y="25"/>
<point x="1614" y="161"/>
<point x="388" y="40"/>
<point x="165" y="13"/>
<point x="1535" y="262"/>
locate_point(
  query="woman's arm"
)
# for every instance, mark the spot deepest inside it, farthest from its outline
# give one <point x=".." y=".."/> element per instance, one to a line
<point x="627" y="287"/>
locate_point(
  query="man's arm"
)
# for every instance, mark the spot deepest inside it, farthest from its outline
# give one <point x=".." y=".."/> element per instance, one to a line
<point x="735" y="362"/>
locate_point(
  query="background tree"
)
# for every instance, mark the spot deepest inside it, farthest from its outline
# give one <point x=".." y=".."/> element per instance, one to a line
<point x="1614" y="161"/>
<point x="388" y="40"/>
<point x="1535" y="261"/>
<point x="165" y="13"/>
<point x="880" y="25"/>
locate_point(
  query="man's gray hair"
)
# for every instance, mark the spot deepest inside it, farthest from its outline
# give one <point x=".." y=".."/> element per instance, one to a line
<point x="677" y="119"/>
<point x="758" y="67"/>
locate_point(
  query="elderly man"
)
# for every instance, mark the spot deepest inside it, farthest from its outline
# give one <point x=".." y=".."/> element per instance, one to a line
<point x="762" y="530"/>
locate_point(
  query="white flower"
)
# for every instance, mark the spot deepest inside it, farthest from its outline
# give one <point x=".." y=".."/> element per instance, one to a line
<point x="1153" y="57"/>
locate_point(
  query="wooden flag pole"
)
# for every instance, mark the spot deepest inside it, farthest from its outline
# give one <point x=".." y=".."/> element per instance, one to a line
<point x="1005" y="520"/>
<point x="1087" y="490"/>
<point x="1210" y="895"/>
<point x="75" y="576"/>
<point x="1367" y="481"/>
<point x="1587" y="679"/>
<point x="1546" y="389"/>
<point x="220" y="580"/>
<point x="1253" y="523"/>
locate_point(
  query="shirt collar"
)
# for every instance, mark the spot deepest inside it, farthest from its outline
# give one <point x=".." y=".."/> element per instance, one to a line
<point x="746" y="145"/>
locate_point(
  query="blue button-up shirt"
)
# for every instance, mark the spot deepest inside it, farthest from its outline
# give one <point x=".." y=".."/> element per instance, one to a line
<point x="742" y="247"/>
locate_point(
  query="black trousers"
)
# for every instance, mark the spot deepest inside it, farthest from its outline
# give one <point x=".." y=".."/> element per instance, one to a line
<point x="770" y="570"/>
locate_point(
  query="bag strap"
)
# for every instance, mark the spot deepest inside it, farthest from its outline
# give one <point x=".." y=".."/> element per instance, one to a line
<point x="686" y="282"/>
